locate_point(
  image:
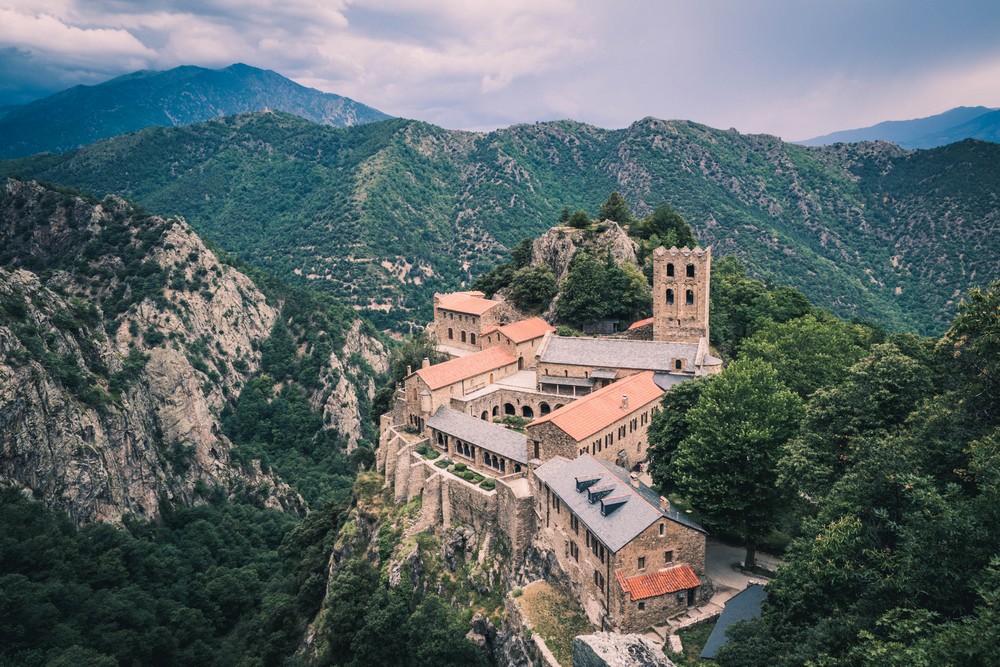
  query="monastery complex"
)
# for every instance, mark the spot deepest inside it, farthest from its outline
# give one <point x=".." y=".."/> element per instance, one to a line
<point x="545" y="437"/>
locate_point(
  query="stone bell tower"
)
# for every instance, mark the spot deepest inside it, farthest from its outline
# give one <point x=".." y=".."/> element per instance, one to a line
<point x="681" y="278"/>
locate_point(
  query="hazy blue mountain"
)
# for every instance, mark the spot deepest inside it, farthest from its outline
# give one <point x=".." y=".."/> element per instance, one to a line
<point x="83" y="114"/>
<point x="944" y="128"/>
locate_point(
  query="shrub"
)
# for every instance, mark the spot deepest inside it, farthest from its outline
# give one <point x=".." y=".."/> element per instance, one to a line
<point x="460" y="467"/>
<point x="488" y="484"/>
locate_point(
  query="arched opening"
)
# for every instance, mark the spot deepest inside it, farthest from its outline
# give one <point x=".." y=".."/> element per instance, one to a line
<point x="544" y="408"/>
<point x="520" y="363"/>
<point x="508" y="409"/>
<point x="517" y="467"/>
<point x="690" y="270"/>
<point x="472" y="338"/>
<point x="527" y="412"/>
<point x="451" y="334"/>
<point x="491" y="378"/>
<point x="670" y="297"/>
<point x="463" y="336"/>
<point x="503" y="465"/>
<point x="678" y="364"/>
<point x="689" y="297"/>
<point x="485" y="416"/>
<point x="670" y="270"/>
<point x="496" y="410"/>
<point x="558" y="405"/>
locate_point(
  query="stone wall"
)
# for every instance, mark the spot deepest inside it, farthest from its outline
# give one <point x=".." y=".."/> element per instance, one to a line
<point x="677" y="320"/>
<point x="495" y="403"/>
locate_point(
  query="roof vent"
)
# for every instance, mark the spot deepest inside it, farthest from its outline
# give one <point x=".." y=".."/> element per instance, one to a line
<point x="624" y="401"/>
<point x="584" y="482"/>
<point x="664" y="504"/>
<point x="597" y="492"/>
<point x="611" y="503"/>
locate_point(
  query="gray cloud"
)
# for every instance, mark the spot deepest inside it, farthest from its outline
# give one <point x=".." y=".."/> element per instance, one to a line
<point x="780" y="66"/>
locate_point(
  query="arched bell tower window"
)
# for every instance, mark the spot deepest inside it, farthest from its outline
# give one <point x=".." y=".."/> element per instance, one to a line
<point x="690" y="270"/>
<point x="670" y="297"/>
<point x="689" y="298"/>
<point x="670" y="270"/>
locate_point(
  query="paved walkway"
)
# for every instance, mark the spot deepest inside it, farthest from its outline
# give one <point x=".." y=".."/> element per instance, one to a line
<point x="722" y="563"/>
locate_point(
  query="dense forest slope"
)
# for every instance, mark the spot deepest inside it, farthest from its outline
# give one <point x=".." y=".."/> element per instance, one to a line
<point x="125" y="346"/>
<point x="384" y="214"/>
<point x="180" y="96"/>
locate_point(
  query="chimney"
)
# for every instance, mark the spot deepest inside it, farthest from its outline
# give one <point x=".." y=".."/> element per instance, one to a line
<point x="634" y="478"/>
<point x="624" y="401"/>
<point x="426" y="363"/>
<point x="409" y="370"/>
<point x="664" y="504"/>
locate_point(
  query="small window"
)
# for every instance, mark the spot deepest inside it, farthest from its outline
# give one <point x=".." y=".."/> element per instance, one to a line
<point x="678" y="364"/>
<point x="689" y="297"/>
<point x="472" y="338"/>
<point x="681" y="597"/>
<point x="690" y="270"/>
<point x="642" y="606"/>
<point x="463" y="336"/>
<point x="670" y="270"/>
<point x="451" y="333"/>
<point x="662" y="529"/>
<point x="668" y="556"/>
<point x="670" y="298"/>
<point x="642" y="562"/>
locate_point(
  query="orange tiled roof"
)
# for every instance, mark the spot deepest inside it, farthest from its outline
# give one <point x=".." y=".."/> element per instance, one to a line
<point x="641" y="323"/>
<point x="456" y="370"/>
<point x="673" y="579"/>
<point x="463" y="302"/>
<point x="522" y="330"/>
<point x="594" y="412"/>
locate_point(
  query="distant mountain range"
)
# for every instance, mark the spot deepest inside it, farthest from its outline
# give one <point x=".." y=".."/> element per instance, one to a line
<point x="944" y="128"/>
<point x="384" y="214"/>
<point x="83" y="114"/>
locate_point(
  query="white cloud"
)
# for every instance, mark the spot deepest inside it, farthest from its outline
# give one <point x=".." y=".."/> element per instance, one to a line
<point x="46" y="33"/>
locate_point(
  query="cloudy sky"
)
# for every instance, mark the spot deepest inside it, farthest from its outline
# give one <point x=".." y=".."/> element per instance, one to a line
<point x="795" y="68"/>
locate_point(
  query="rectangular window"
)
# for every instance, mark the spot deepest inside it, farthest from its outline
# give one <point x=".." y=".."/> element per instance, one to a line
<point x="642" y="562"/>
<point x="668" y="556"/>
<point x="642" y="605"/>
<point x="574" y="551"/>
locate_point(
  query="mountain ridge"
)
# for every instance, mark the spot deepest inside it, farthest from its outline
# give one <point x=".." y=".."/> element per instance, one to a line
<point x="384" y="214"/>
<point x="940" y="129"/>
<point x="183" y="95"/>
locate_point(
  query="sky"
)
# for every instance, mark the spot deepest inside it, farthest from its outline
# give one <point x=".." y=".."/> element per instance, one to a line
<point x="793" y="68"/>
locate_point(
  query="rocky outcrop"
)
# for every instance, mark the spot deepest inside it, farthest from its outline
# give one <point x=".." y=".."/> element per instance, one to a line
<point x="610" y="649"/>
<point x="122" y="338"/>
<point x="556" y="247"/>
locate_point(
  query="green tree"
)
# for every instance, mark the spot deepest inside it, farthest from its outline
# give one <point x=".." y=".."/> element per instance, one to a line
<point x="533" y="287"/>
<point x="617" y="209"/>
<point x="579" y="219"/>
<point x="808" y="352"/>
<point x="520" y="255"/>
<point x="726" y="467"/>
<point x="669" y="427"/>
<point x="583" y="294"/>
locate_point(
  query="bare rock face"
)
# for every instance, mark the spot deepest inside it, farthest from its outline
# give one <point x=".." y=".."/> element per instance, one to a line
<point x="556" y="247"/>
<point x="610" y="649"/>
<point x="114" y="367"/>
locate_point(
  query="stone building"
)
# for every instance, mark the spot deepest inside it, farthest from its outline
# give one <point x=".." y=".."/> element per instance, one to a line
<point x="575" y="366"/>
<point x="634" y="559"/>
<point x="433" y="386"/>
<point x="459" y="319"/>
<point x="521" y="339"/>
<point x="681" y="281"/>
<point x="610" y="424"/>
<point x="483" y="446"/>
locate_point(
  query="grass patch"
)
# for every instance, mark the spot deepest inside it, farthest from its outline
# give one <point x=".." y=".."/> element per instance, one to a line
<point x="556" y="616"/>
<point x="693" y="641"/>
<point x="443" y="463"/>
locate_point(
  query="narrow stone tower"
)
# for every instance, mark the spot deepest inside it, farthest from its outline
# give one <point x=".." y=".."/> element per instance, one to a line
<point x="681" y="279"/>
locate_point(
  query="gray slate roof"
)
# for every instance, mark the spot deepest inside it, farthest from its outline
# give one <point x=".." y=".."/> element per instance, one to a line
<point x="565" y="381"/>
<point x="743" y="606"/>
<point x="483" y="434"/>
<point x="667" y="380"/>
<point x="612" y="353"/>
<point x="618" y="528"/>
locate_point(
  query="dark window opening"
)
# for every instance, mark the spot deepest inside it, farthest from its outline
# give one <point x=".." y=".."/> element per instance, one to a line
<point x="670" y="297"/>
<point x="689" y="297"/>
<point x="690" y="270"/>
<point x="670" y="270"/>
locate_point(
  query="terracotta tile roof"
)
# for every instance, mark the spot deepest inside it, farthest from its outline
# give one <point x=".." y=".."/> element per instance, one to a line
<point x="641" y="323"/>
<point x="594" y="412"/>
<point x="463" y="302"/>
<point x="673" y="579"/>
<point x="533" y="327"/>
<point x="456" y="370"/>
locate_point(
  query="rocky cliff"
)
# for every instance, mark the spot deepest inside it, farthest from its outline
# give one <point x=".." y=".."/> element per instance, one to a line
<point x="122" y="338"/>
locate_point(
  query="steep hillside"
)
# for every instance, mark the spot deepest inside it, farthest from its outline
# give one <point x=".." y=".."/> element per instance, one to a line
<point x="384" y="214"/>
<point x="181" y="96"/>
<point x="937" y="130"/>
<point x="123" y="340"/>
